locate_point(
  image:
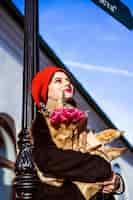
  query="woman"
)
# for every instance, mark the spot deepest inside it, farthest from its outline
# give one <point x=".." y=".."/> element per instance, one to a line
<point x="49" y="87"/>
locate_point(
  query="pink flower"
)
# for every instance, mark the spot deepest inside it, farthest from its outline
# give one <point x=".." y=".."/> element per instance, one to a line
<point x="66" y="116"/>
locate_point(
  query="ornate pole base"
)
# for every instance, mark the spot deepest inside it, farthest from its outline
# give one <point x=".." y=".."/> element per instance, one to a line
<point x="26" y="178"/>
<point x="25" y="186"/>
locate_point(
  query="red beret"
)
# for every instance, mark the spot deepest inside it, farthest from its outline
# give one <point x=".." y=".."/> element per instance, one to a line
<point x="41" y="81"/>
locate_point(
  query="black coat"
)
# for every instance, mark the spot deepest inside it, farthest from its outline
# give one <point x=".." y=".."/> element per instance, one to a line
<point x="67" y="164"/>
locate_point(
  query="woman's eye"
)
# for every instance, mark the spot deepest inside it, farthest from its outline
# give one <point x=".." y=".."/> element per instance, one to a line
<point x="58" y="80"/>
<point x="68" y="80"/>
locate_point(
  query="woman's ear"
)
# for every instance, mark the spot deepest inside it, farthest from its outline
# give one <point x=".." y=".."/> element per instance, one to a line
<point x="42" y="106"/>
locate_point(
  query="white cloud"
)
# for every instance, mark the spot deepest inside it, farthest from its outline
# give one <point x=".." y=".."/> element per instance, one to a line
<point x="116" y="71"/>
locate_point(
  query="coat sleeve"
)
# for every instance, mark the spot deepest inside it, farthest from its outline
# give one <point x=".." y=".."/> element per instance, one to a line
<point x="67" y="164"/>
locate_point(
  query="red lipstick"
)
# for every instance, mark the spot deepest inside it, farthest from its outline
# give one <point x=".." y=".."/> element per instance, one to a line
<point x="68" y="90"/>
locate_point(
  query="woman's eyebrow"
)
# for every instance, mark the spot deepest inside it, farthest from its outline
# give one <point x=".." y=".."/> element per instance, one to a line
<point x="58" y="78"/>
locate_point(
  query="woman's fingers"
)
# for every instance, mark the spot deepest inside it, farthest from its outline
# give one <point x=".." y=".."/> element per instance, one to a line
<point x="108" y="188"/>
<point x="111" y="186"/>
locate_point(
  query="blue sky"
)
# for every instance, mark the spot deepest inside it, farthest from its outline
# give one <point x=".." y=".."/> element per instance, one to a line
<point x="98" y="51"/>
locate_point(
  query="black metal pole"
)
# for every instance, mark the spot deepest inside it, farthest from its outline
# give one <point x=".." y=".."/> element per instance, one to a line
<point x="25" y="182"/>
<point x="31" y="59"/>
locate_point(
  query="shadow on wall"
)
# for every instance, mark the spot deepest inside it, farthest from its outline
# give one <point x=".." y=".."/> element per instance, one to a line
<point x="7" y="155"/>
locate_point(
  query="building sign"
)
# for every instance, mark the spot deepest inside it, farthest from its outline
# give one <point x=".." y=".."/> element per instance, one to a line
<point x="118" y="10"/>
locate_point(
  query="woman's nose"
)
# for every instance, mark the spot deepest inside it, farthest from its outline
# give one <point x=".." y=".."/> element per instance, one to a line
<point x="67" y="83"/>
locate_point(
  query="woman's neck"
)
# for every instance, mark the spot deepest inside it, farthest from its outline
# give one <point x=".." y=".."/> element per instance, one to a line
<point x="53" y="103"/>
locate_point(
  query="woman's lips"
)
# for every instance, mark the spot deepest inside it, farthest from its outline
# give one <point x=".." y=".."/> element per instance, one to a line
<point x="68" y="90"/>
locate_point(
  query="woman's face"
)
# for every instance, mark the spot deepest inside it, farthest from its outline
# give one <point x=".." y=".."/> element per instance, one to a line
<point x="60" y="83"/>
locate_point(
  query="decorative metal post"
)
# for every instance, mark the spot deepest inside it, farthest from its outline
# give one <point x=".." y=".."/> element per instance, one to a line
<point x="25" y="182"/>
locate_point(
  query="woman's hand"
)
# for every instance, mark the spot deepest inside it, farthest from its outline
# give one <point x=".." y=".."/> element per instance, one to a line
<point x="112" y="185"/>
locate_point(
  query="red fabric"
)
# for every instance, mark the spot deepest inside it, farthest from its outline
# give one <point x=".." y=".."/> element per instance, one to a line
<point x="41" y="81"/>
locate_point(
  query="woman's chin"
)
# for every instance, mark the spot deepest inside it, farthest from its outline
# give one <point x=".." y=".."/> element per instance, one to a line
<point x="68" y="97"/>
